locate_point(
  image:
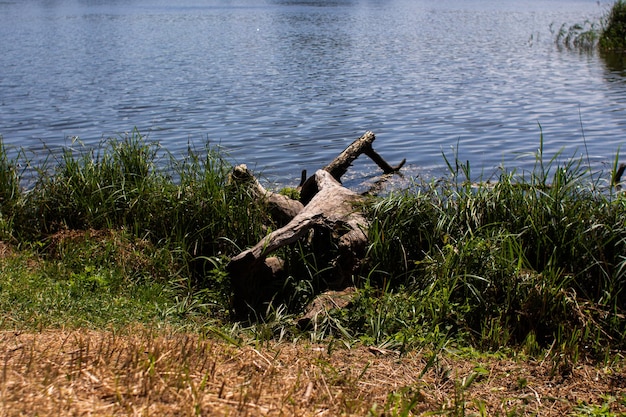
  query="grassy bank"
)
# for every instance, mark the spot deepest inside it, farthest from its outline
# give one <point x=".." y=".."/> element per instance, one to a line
<point x="126" y="233"/>
<point x="119" y="253"/>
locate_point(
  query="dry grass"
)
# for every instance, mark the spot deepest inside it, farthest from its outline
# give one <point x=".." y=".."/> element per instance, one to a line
<point x="162" y="373"/>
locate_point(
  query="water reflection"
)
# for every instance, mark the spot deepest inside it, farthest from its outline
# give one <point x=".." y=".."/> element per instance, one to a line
<point x="615" y="62"/>
<point x="615" y="78"/>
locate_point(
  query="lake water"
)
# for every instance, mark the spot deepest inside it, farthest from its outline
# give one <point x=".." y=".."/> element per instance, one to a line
<point x="285" y="85"/>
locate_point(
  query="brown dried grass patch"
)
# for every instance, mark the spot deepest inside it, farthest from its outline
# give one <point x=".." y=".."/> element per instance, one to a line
<point x="143" y="372"/>
<point x="6" y="250"/>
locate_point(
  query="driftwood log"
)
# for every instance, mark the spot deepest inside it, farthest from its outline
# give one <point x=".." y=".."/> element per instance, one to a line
<point x="280" y="207"/>
<point x="344" y="160"/>
<point x="325" y="207"/>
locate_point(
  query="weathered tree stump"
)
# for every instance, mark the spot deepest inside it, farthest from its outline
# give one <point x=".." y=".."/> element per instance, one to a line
<point x="325" y="207"/>
<point x="332" y="208"/>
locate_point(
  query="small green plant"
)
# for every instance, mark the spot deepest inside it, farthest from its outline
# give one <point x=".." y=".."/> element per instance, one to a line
<point x="600" y="410"/>
<point x="292" y="193"/>
<point x="400" y="403"/>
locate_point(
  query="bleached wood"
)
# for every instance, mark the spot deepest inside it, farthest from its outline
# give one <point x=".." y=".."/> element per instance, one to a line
<point x="333" y="208"/>
<point x="324" y="204"/>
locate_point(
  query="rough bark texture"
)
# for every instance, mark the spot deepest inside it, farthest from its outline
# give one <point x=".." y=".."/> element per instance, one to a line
<point x="325" y="208"/>
<point x="280" y="207"/>
<point x="362" y="145"/>
<point x="332" y="208"/>
<point x="340" y="165"/>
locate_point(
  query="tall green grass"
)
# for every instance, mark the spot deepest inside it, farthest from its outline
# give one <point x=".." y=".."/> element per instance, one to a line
<point x="184" y="204"/>
<point x="534" y="259"/>
<point x="130" y="183"/>
<point x="11" y="196"/>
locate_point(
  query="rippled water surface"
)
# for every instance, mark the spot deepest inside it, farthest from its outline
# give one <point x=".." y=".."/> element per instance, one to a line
<point x="285" y="85"/>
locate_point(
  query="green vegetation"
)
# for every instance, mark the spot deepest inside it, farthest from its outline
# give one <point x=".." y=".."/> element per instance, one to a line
<point x="127" y="233"/>
<point x="608" y="34"/>
<point x="169" y="222"/>
<point x="72" y="292"/>
<point x="613" y="36"/>
<point x="533" y="259"/>
<point x="581" y="36"/>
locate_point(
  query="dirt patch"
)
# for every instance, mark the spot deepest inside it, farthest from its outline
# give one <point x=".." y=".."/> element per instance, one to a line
<point x="172" y="374"/>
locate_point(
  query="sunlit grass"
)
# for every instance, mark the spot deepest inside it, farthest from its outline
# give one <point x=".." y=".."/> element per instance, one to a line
<point x="531" y="259"/>
<point x="75" y="290"/>
<point x="127" y="232"/>
<point x="145" y="370"/>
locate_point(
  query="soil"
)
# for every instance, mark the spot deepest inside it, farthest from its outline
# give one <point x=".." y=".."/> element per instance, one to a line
<point x="167" y="373"/>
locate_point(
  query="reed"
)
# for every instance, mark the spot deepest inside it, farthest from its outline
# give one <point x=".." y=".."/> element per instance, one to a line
<point x="608" y="34"/>
<point x="10" y="192"/>
<point x="533" y="255"/>
<point x="581" y="36"/>
<point x="132" y="184"/>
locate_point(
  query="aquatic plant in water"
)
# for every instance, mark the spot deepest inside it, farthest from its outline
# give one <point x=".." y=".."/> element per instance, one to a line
<point x="608" y="34"/>
<point x="579" y="36"/>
